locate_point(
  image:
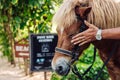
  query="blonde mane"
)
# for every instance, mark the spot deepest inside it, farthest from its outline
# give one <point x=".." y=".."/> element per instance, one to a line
<point x="104" y="13"/>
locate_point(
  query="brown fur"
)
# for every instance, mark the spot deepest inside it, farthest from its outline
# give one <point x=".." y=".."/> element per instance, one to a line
<point x="105" y="47"/>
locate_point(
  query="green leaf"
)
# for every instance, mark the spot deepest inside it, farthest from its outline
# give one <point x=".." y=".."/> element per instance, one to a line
<point x="17" y="25"/>
<point x="31" y="3"/>
<point x="5" y="18"/>
<point x="1" y="6"/>
<point x="14" y="2"/>
<point x="1" y="27"/>
<point x="1" y="20"/>
<point x="18" y="19"/>
<point x="22" y="25"/>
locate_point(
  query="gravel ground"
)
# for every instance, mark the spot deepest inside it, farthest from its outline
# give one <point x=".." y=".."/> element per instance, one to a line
<point x="8" y="72"/>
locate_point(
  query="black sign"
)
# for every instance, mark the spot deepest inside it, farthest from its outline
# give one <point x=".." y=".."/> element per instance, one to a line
<point x="42" y="49"/>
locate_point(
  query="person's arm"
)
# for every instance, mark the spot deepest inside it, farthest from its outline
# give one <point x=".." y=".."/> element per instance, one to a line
<point x="90" y="33"/>
<point x="113" y="33"/>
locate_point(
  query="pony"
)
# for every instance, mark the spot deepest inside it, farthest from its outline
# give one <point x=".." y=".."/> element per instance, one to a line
<point x="104" y="14"/>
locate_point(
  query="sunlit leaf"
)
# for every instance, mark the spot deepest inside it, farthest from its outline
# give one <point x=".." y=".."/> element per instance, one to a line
<point x="14" y="2"/>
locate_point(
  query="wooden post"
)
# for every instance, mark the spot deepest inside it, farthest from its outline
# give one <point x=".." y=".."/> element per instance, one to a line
<point x="19" y="64"/>
<point x="30" y="73"/>
<point x="45" y="75"/>
<point x="25" y="66"/>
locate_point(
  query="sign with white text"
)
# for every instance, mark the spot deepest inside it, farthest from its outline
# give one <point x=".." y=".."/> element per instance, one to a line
<point x="42" y="48"/>
<point x="21" y="50"/>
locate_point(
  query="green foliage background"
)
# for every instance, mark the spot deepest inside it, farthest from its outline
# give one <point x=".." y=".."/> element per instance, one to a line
<point x="19" y="18"/>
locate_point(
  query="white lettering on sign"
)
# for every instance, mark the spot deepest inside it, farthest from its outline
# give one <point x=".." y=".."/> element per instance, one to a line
<point x="23" y="54"/>
<point x="48" y="38"/>
<point x="22" y="48"/>
<point x="40" y="37"/>
<point x="45" y="40"/>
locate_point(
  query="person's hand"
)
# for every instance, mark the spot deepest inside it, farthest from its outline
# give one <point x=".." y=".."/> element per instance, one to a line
<point x="85" y="36"/>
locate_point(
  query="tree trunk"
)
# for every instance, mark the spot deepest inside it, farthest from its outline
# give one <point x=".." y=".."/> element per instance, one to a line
<point x="11" y="42"/>
<point x="10" y="36"/>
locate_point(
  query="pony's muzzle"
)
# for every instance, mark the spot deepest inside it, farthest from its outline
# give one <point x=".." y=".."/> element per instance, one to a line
<point x="61" y="66"/>
<point x="62" y="69"/>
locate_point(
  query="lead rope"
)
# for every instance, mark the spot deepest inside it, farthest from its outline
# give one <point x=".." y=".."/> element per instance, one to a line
<point x="74" y="68"/>
<point x="76" y="72"/>
<point x="80" y="76"/>
<point x="105" y="63"/>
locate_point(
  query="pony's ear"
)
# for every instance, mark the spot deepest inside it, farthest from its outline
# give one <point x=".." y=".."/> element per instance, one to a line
<point x="82" y="11"/>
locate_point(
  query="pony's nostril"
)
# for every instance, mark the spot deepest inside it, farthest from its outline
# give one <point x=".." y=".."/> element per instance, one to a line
<point x="59" y="69"/>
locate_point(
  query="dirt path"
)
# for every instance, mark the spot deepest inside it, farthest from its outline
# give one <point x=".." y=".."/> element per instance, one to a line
<point x="8" y="72"/>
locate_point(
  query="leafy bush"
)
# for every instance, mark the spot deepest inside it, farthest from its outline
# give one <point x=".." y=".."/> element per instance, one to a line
<point x="18" y="18"/>
<point x="82" y="64"/>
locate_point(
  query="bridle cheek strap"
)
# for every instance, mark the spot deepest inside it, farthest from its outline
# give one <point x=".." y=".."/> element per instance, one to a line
<point x="63" y="51"/>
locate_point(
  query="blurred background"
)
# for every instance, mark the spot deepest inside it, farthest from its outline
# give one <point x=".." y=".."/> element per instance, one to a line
<point x="18" y="19"/>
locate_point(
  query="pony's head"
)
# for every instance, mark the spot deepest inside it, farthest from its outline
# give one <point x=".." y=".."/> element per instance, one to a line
<point x="68" y="24"/>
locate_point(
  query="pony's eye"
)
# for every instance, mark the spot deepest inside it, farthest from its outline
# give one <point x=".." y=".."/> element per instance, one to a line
<point x="71" y="35"/>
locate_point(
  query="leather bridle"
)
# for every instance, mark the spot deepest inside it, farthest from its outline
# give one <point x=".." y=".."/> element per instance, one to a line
<point x="75" y="51"/>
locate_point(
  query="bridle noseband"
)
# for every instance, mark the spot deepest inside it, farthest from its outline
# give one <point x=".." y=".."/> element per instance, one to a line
<point x="63" y="51"/>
